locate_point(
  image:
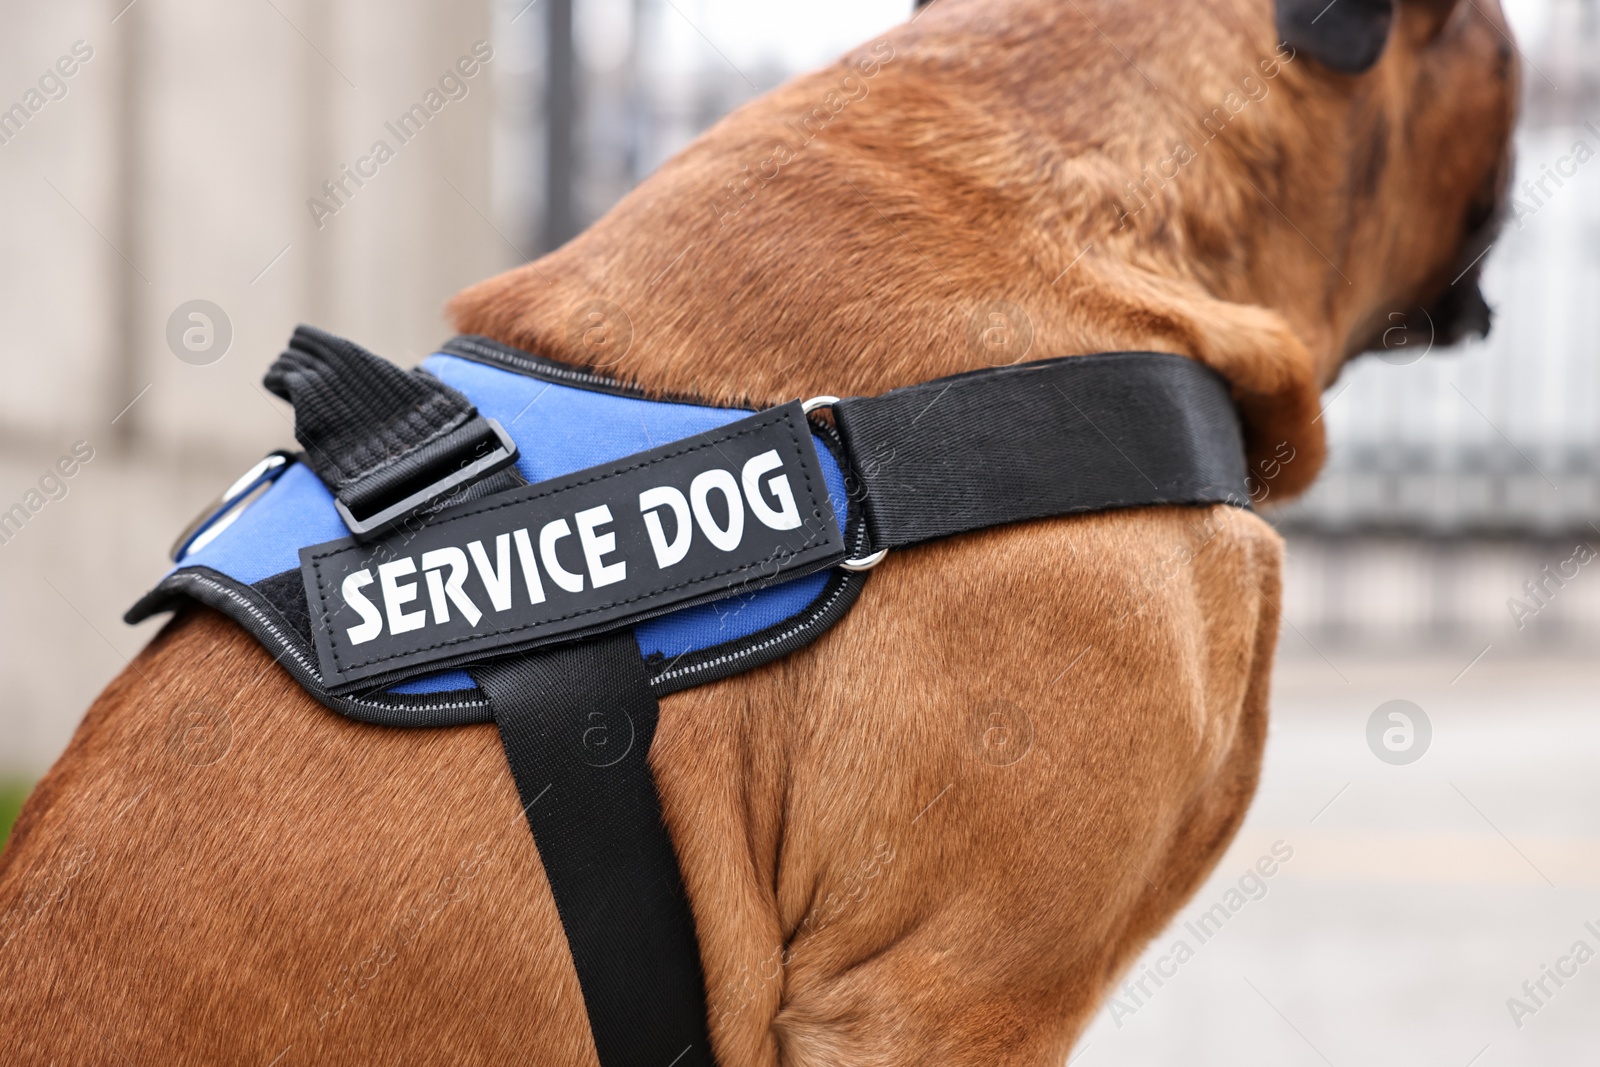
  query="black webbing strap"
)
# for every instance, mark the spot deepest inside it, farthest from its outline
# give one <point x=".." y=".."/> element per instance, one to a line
<point x="375" y="434"/>
<point x="1081" y="433"/>
<point x="577" y="722"/>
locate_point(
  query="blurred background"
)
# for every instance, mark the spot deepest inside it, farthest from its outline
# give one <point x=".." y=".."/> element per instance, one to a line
<point x="1443" y="560"/>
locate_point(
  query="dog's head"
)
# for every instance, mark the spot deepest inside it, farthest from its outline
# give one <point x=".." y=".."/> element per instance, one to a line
<point x="1437" y="81"/>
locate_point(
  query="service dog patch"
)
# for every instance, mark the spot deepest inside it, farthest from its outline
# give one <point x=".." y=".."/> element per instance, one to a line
<point x="736" y="508"/>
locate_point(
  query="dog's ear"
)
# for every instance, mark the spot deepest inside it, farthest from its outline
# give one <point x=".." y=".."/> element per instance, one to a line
<point x="1347" y="35"/>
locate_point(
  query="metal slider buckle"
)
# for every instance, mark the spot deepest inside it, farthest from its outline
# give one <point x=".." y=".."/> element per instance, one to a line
<point x="502" y="456"/>
<point x="863" y="563"/>
<point x="220" y="513"/>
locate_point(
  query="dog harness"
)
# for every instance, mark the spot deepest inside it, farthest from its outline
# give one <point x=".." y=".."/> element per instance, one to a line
<point x="497" y="537"/>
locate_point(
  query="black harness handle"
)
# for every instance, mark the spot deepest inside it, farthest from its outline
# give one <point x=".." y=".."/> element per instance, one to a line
<point x="387" y="442"/>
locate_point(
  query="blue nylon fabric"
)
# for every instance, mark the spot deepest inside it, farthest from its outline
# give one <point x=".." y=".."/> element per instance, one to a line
<point x="558" y="429"/>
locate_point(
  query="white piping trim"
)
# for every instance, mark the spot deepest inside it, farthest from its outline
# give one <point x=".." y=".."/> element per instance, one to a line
<point x="730" y="657"/>
<point x="310" y="671"/>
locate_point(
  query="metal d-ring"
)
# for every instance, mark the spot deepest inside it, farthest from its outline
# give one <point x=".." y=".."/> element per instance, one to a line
<point x="221" y="512"/>
<point x="808" y="406"/>
<point x="863" y="563"/>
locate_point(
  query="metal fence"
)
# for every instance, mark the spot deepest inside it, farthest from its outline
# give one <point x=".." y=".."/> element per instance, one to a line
<point x="646" y="78"/>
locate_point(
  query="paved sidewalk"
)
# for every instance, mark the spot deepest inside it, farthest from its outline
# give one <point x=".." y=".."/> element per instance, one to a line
<point x="1419" y="898"/>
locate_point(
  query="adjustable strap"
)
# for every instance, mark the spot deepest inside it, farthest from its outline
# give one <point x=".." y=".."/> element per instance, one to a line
<point x="385" y="440"/>
<point x="577" y="722"/>
<point x="1081" y="433"/>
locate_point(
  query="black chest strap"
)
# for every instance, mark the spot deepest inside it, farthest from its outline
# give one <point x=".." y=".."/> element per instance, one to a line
<point x="577" y="721"/>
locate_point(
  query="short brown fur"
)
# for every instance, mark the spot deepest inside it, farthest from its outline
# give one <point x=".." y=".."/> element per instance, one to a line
<point x="872" y="884"/>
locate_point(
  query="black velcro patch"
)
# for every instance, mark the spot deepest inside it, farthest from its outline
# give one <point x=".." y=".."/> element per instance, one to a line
<point x="733" y="509"/>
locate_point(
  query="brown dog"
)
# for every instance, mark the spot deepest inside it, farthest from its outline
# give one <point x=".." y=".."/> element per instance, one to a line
<point x="939" y="833"/>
